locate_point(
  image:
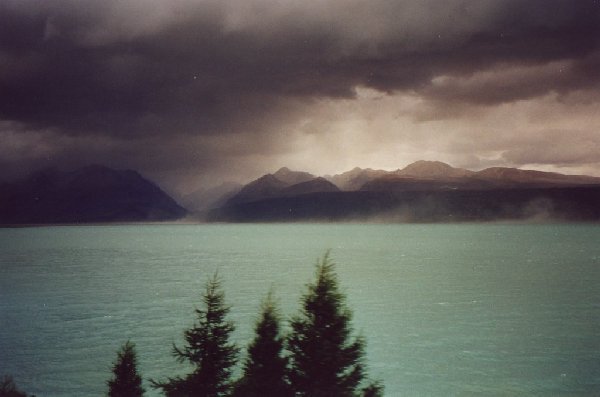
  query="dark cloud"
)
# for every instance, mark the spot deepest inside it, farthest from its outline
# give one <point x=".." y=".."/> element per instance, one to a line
<point x="140" y="75"/>
<point x="79" y="67"/>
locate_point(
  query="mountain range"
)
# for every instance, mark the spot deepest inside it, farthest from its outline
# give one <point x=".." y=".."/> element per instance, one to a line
<point x="424" y="191"/>
<point x="421" y="175"/>
<point x="93" y="194"/>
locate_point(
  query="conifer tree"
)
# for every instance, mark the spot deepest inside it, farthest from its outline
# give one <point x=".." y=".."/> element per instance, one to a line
<point x="207" y="349"/>
<point x="126" y="381"/>
<point x="8" y="388"/>
<point x="326" y="361"/>
<point x="265" y="367"/>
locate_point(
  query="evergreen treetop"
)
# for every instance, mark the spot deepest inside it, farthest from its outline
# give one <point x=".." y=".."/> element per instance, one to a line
<point x="265" y="367"/>
<point x="326" y="361"/>
<point x="8" y="388"/>
<point x="207" y="349"/>
<point x="126" y="381"/>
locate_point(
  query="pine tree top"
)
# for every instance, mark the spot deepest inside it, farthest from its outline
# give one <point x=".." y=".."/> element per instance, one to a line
<point x="326" y="360"/>
<point x="126" y="381"/>
<point x="207" y="348"/>
<point x="265" y="366"/>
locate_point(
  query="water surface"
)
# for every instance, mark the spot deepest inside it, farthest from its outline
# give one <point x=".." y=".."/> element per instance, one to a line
<point x="446" y="309"/>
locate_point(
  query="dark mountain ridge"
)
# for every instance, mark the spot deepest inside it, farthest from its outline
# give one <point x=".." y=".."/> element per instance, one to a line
<point x="284" y="182"/>
<point x="264" y="187"/>
<point x="316" y="185"/>
<point x="93" y="194"/>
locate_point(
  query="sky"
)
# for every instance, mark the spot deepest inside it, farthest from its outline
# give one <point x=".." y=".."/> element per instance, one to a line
<point x="194" y="92"/>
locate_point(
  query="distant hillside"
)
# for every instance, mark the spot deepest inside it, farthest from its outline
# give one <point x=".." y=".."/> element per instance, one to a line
<point x="514" y="176"/>
<point x="425" y="175"/>
<point x="290" y="177"/>
<point x="90" y="194"/>
<point x="264" y="187"/>
<point x="425" y="191"/>
<point x="316" y="185"/>
<point x="432" y="170"/>
<point x="355" y="178"/>
<point x="438" y="175"/>
<point x="281" y="183"/>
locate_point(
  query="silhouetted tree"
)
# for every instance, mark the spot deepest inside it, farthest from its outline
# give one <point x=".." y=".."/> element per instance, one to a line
<point x="325" y="360"/>
<point x="208" y="349"/>
<point x="8" y="388"/>
<point x="265" y="367"/>
<point x="126" y="381"/>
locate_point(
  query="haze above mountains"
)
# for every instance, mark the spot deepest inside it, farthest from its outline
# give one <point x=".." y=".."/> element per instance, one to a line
<point x="424" y="191"/>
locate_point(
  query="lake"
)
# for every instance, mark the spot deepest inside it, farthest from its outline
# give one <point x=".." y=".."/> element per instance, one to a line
<point x="446" y="309"/>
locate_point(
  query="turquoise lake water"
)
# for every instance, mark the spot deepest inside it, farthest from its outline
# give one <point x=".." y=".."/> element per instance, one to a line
<point x="446" y="310"/>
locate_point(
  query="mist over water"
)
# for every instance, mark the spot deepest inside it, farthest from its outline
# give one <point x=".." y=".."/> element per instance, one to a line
<point x="459" y="309"/>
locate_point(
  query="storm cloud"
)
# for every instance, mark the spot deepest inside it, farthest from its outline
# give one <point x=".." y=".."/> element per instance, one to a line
<point x="188" y="90"/>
